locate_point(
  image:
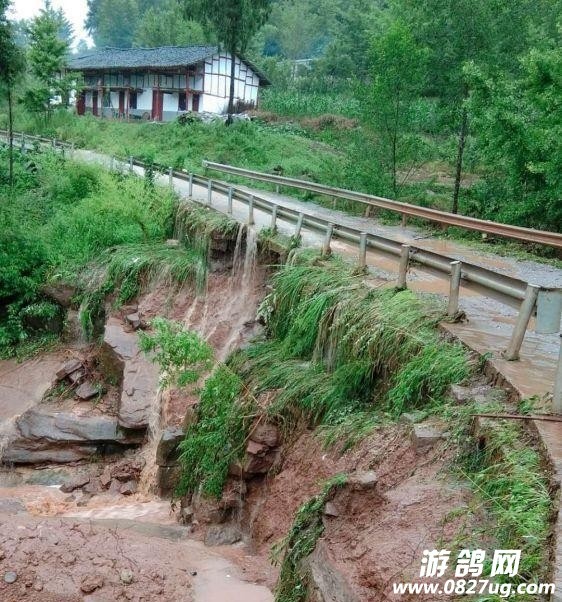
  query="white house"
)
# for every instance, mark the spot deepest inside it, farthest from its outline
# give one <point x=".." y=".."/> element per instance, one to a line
<point x="161" y="83"/>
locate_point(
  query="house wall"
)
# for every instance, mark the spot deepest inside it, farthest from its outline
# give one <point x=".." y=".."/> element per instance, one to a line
<point x="211" y="79"/>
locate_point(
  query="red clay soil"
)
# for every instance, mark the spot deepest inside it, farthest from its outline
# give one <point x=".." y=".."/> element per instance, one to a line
<point x="378" y="538"/>
<point x="224" y="317"/>
<point x="64" y="561"/>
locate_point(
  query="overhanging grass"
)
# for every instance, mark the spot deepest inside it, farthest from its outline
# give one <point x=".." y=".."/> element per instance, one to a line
<point x="125" y="270"/>
<point x="336" y="347"/>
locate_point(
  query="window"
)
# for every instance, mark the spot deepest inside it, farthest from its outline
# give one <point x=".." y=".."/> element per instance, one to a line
<point x="182" y="101"/>
<point x="132" y="100"/>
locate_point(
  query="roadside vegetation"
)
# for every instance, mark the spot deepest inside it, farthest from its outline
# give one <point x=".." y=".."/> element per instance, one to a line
<point x="76" y="225"/>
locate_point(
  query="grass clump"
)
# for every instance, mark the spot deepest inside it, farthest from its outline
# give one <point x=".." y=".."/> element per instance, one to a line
<point x="337" y="347"/>
<point x="218" y="437"/>
<point x="126" y="270"/>
<point x="300" y="542"/>
<point x="511" y="493"/>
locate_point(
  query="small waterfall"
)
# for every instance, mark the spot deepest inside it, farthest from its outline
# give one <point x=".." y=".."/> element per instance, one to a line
<point x="7" y="433"/>
<point x="248" y="276"/>
<point x="147" y="479"/>
<point x="237" y="263"/>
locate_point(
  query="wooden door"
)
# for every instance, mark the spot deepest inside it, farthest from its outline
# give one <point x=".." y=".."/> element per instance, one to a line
<point x="157" y="104"/>
<point x="195" y="103"/>
<point x="121" y="103"/>
<point x="95" y="102"/>
<point x="81" y="103"/>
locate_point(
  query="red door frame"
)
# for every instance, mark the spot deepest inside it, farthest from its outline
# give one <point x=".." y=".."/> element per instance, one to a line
<point x="95" y="102"/>
<point x="157" y="104"/>
<point x="121" y="103"/>
<point x="81" y="103"/>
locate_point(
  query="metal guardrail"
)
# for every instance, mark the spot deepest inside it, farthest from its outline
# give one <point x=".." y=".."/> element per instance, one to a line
<point x="543" y="237"/>
<point x="523" y="294"/>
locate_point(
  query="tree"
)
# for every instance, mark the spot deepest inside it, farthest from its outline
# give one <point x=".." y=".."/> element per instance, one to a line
<point x="11" y="66"/>
<point x="397" y="69"/>
<point x="454" y="32"/>
<point x="519" y="128"/>
<point x="167" y="26"/>
<point x="234" y="22"/>
<point x="47" y="56"/>
<point x="113" y="22"/>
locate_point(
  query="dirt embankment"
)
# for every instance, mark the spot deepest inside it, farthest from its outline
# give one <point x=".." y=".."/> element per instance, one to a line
<point x="375" y="533"/>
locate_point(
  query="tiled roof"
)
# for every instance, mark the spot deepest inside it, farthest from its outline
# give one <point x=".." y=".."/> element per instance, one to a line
<point x="137" y="58"/>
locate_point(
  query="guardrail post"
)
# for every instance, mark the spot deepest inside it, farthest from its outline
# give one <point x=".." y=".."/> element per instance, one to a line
<point x="456" y="272"/>
<point x="326" y="251"/>
<point x="277" y="188"/>
<point x="54" y="143"/>
<point x="111" y="163"/>
<point x="525" y="313"/>
<point x="72" y="149"/>
<point x="251" y="221"/>
<point x="229" y="202"/>
<point x="190" y="188"/>
<point x="23" y="142"/>
<point x="131" y="163"/>
<point x="274" y="218"/>
<point x="403" y="266"/>
<point x="209" y="191"/>
<point x="404" y="221"/>
<point x="171" y="176"/>
<point x="362" y="250"/>
<point x="557" y="392"/>
<point x="298" y="227"/>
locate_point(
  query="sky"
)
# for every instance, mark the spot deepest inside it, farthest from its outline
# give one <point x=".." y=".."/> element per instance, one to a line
<point x="75" y="11"/>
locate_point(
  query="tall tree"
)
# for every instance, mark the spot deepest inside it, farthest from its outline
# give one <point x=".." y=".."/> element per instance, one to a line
<point x="167" y="26"/>
<point x="113" y="22"/>
<point x="11" y="65"/>
<point x="48" y="55"/>
<point x="234" y="22"/>
<point x="455" y="32"/>
<point x="397" y="69"/>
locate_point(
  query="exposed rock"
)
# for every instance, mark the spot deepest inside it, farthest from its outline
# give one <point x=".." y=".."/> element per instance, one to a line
<point x="480" y="393"/>
<point x="267" y="434"/>
<point x="167" y="479"/>
<point x="47" y="434"/>
<point x="91" y="583"/>
<point x="167" y="453"/>
<point x="256" y="449"/>
<point x="87" y="390"/>
<point x="75" y="483"/>
<point x="222" y="535"/>
<point x="127" y="470"/>
<point x="134" y="320"/>
<point x="190" y="417"/>
<point x="425" y="435"/>
<point x="38" y="452"/>
<point x="363" y="480"/>
<point x="72" y="330"/>
<point x="68" y="368"/>
<point x="10" y="577"/>
<point x="45" y="422"/>
<point x="331" y="510"/>
<point x="128" y="488"/>
<point x="93" y="486"/>
<point x="105" y="477"/>
<point x="76" y="376"/>
<point x="11" y="505"/>
<point x="126" y="576"/>
<point x="260" y="464"/>
<point x="61" y="293"/>
<point x="140" y="375"/>
<point x="172" y="242"/>
<point x="327" y="583"/>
